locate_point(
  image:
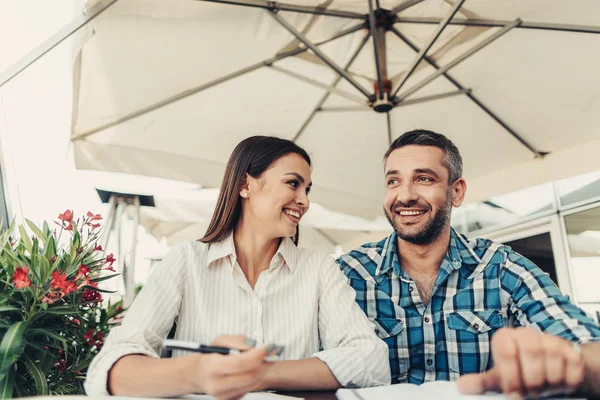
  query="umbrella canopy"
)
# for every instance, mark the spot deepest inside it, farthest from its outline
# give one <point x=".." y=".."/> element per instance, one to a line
<point x="186" y="218"/>
<point x="168" y="89"/>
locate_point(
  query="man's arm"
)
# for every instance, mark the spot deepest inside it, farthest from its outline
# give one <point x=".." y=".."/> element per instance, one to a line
<point x="542" y="355"/>
<point x="529" y="363"/>
<point x="591" y="358"/>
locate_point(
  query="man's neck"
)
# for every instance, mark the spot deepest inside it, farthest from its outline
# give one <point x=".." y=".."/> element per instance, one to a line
<point x="424" y="259"/>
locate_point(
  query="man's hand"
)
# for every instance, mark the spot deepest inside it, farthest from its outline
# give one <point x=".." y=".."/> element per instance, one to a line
<point x="527" y="363"/>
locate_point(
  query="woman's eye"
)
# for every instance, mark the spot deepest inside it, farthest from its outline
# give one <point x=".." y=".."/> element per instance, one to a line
<point x="294" y="184"/>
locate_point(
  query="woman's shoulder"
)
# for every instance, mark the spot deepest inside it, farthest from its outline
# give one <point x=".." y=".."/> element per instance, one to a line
<point x="189" y="247"/>
<point x="313" y="258"/>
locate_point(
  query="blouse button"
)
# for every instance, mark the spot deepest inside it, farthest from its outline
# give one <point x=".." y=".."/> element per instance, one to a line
<point x="476" y="326"/>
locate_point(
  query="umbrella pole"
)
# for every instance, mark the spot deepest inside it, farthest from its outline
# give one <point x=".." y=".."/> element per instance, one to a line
<point x="130" y="270"/>
<point x="112" y="206"/>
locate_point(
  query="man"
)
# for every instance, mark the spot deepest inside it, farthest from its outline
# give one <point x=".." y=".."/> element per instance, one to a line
<point x="443" y="303"/>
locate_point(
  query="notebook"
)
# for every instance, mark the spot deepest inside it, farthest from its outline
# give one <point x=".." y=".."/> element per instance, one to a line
<point x="406" y="391"/>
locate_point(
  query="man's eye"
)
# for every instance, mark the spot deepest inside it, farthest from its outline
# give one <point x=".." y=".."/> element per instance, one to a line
<point x="392" y="181"/>
<point x="425" y="179"/>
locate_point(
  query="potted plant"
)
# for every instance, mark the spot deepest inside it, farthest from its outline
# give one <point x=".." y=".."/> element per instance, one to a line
<point x="51" y="319"/>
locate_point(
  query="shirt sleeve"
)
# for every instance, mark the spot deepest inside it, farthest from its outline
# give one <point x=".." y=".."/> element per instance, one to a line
<point x="537" y="302"/>
<point x="146" y="323"/>
<point x="351" y="349"/>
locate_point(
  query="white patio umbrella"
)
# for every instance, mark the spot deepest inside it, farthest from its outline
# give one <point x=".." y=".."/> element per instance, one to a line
<point x="186" y="217"/>
<point x="168" y="88"/>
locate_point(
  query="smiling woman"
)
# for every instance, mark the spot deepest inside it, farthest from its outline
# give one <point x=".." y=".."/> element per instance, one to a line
<point x="246" y="277"/>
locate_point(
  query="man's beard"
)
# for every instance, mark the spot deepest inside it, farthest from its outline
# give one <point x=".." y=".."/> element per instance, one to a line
<point x="432" y="229"/>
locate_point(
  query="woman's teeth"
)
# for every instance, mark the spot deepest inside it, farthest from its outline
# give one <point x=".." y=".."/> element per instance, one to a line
<point x="292" y="213"/>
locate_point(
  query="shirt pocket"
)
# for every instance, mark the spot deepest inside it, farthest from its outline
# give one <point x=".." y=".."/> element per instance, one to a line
<point x="468" y="337"/>
<point x="387" y="327"/>
<point x="392" y="332"/>
<point x="475" y="322"/>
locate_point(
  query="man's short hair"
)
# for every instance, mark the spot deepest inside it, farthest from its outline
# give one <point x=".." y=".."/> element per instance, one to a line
<point x="421" y="137"/>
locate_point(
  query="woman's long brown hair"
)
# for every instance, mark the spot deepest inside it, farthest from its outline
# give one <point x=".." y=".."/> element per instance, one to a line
<point x="251" y="156"/>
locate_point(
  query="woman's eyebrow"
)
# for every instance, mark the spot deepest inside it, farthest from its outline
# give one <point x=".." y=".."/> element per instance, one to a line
<point x="300" y="177"/>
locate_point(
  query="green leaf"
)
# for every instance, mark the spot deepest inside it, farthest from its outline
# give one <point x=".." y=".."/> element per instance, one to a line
<point x="37" y="231"/>
<point x="25" y="239"/>
<point x="41" y="383"/>
<point x="47" y="332"/>
<point x="62" y="310"/>
<point x="7" y="382"/>
<point x="11" y="346"/>
<point x="102" y="290"/>
<point x="104" y="278"/>
<point x="50" y="249"/>
<point x="9" y="308"/>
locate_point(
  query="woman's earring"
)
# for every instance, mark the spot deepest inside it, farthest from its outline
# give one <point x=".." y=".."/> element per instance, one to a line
<point x="244" y="195"/>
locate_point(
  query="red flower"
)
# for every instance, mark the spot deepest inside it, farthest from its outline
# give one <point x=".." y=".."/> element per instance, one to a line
<point x="93" y="217"/>
<point x="76" y="321"/>
<point x="59" y="281"/>
<point x="21" y="279"/>
<point x="98" y="248"/>
<point x="94" y="339"/>
<point x="83" y="272"/>
<point x="91" y="296"/>
<point x="88" y="282"/>
<point x="110" y="259"/>
<point x="89" y="335"/>
<point x="67" y="216"/>
<point x="95" y="226"/>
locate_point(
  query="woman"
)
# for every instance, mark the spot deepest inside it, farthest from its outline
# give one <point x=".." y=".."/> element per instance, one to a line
<point x="246" y="277"/>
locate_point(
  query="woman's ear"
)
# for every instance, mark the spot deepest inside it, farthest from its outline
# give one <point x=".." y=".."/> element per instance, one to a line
<point x="245" y="189"/>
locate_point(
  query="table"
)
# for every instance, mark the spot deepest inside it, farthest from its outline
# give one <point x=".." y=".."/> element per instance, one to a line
<point x="313" y="395"/>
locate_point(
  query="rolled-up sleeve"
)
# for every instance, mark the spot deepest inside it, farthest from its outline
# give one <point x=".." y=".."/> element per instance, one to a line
<point x="351" y="349"/>
<point x="146" y="323"/>
<point x="537" y="302"/>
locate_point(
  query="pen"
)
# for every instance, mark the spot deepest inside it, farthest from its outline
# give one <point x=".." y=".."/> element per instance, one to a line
<point x="198" y="348"/>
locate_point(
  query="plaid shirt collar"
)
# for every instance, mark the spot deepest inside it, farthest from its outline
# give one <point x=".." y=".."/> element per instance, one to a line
<point x="460" y="255"/>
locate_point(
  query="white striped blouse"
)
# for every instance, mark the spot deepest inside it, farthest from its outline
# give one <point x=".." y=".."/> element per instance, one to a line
<point x="303" y="302"/>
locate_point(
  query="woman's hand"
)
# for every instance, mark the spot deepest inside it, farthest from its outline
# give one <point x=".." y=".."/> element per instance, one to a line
<point x="231" y="376"/>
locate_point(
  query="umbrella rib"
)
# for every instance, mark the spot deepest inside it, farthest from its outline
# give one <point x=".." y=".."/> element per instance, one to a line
<point x="425" y="49"/>
<point x="318" y="84"/>
<point x="500" y="23"/>
<point x="277" y="6"/>
<point x="334" y="84"/>
<point x="373" y="26"/>
<point x="404" y="6"/>
<point x="460" y="59"/>
<point x="318" y="52"/>
<point x="343" y="108"/>
<point x="54" y="40"/>
<point x="470" y="95"/>
<point x="198" y="89"/>
<point x="433" y="97"/>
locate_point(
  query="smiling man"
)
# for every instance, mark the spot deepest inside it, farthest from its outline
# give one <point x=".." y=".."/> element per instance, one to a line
<point x="448" y="306"/>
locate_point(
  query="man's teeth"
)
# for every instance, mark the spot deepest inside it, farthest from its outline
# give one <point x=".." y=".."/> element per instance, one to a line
<point x="411" y="212"/>
<point x="292" y="213"/>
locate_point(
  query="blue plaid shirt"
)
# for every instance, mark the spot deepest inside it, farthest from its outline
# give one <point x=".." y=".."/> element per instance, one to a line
<point x="480" y="287"/>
